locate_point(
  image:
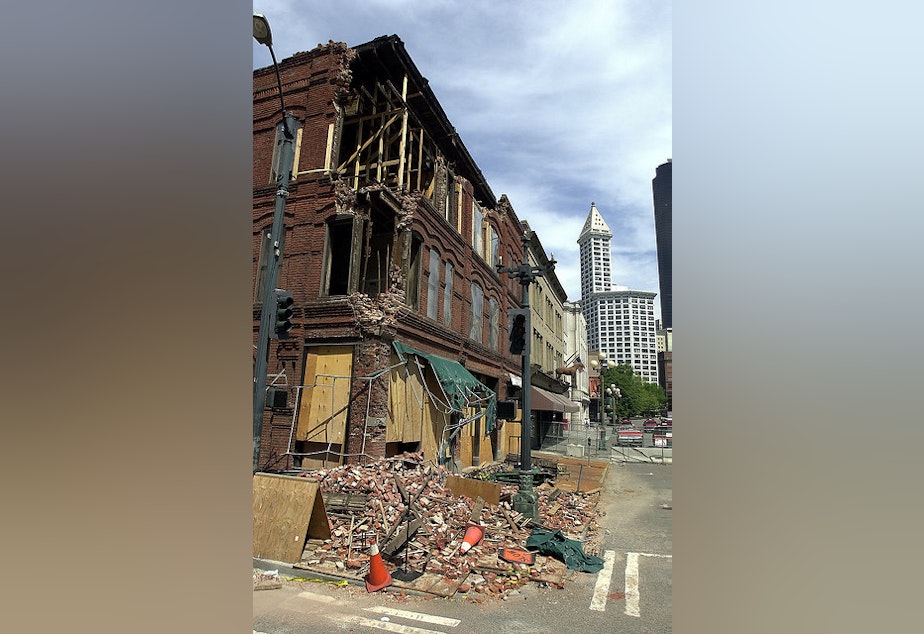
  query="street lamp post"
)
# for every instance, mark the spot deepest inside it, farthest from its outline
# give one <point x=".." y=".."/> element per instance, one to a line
<point x="289" y="124"/>
<point x="601" y="367"/>
<point x="616" y="394"/>
<point x="526" y="500"/>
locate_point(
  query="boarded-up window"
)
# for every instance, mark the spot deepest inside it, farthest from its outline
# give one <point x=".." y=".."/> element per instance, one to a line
<point x="325" y="396"/>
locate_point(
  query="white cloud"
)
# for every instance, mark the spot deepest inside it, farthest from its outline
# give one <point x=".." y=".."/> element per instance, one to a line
<point x="560" y="104"/>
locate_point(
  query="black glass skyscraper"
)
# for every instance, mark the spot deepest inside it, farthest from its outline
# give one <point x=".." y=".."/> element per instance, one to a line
<point x="661" y="188"/>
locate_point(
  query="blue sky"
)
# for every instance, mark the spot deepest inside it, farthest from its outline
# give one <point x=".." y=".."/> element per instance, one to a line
<point x="560" y="103"/>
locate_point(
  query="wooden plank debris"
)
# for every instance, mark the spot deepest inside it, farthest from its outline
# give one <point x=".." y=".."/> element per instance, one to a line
<point x="489" y="491"/>
<point x="345" y="502"/>
<point x="403" y="533"/>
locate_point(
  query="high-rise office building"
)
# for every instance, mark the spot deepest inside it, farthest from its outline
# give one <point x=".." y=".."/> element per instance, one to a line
<point x="661" y="190"/>
<point x="620" y="321"/>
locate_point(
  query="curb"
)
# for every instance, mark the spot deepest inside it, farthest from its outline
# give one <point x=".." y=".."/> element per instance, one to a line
<point x="288" y="571"/>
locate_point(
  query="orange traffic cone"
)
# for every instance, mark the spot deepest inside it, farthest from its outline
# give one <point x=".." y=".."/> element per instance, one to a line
<point x="378" y="577"/>
<point x="472" y="536"/>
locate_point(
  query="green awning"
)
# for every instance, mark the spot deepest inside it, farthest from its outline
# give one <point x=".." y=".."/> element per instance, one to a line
<point x="461" y="387"/>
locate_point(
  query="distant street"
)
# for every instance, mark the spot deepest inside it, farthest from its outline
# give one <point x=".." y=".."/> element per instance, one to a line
<point x="632" y="594"/>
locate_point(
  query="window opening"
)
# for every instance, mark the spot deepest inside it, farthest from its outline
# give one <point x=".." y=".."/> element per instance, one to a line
<point x="447" y="295"/>
<point x="433" y="284"/>
<point x="380" y="237"/>
<point x="413" y="272"/>
<point x="338" y="256"/>
<point x="476" y="331"/>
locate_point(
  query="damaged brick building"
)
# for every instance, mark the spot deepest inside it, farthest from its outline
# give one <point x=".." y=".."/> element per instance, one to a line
<point x="392" y="236"/>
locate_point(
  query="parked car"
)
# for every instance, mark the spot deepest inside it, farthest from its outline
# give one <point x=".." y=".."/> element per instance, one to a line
<point x="667" y="423"/>
<point x="650" y="424"/>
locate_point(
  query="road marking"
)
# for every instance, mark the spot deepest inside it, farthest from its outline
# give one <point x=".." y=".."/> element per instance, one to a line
<point x="382" y="625"/>
<point x="602" y="586"/>
<point x="415" y="616"/>
<point x="632" y="593"/>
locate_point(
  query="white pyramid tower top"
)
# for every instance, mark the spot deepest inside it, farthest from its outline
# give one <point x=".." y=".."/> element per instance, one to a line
<point x="595" y="224"/>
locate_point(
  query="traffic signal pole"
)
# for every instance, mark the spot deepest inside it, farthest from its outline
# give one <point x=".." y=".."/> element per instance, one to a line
<point x="526" y="500"/>
<point x="271" y="277"/>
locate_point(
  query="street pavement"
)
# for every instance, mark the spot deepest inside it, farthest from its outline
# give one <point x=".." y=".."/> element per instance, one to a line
<point x="632" y="594"/>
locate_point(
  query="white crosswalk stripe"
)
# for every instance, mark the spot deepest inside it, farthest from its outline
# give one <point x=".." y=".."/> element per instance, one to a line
<point x="633" y="595"/>
<point x="602" y="587"/>
<point x="383" y="625"/>
<point x="415" y="616"/>
<point x="385" y="622"/>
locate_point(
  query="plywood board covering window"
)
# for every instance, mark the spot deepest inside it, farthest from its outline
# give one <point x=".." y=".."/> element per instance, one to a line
<point x="325" y="398"/>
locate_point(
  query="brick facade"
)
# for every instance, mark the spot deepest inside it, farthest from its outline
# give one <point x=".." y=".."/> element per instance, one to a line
<point x="357" y="248"/>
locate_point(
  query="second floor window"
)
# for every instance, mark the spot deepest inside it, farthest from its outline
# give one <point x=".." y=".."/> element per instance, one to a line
<point x="492" y="323"/>
<point x="433" y="284"/>
<point x="338" y="257"/>
<point x="447" y="296"/>
<point x="475" y="332"/>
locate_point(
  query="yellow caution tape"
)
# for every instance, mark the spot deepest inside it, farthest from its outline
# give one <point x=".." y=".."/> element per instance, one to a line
<point x="339" y="584"/>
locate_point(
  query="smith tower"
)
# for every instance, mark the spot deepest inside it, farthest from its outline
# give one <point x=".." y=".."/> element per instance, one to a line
<point x="620" y="321"/>
<point x="595" y="255"/>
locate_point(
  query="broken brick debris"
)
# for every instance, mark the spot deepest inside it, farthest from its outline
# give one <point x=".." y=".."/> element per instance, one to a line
<point x="438" y="521"/>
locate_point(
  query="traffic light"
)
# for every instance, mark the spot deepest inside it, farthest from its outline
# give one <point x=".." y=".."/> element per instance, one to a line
<point x="284" y="312"/>
<point x="517" y="331"/>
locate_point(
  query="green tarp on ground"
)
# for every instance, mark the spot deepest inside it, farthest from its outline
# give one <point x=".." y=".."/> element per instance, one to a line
<point x="555" y="544"/>
<point x="461" y="387"/>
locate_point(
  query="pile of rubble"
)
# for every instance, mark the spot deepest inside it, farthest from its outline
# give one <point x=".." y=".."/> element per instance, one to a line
<point x="405" y="506"/>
